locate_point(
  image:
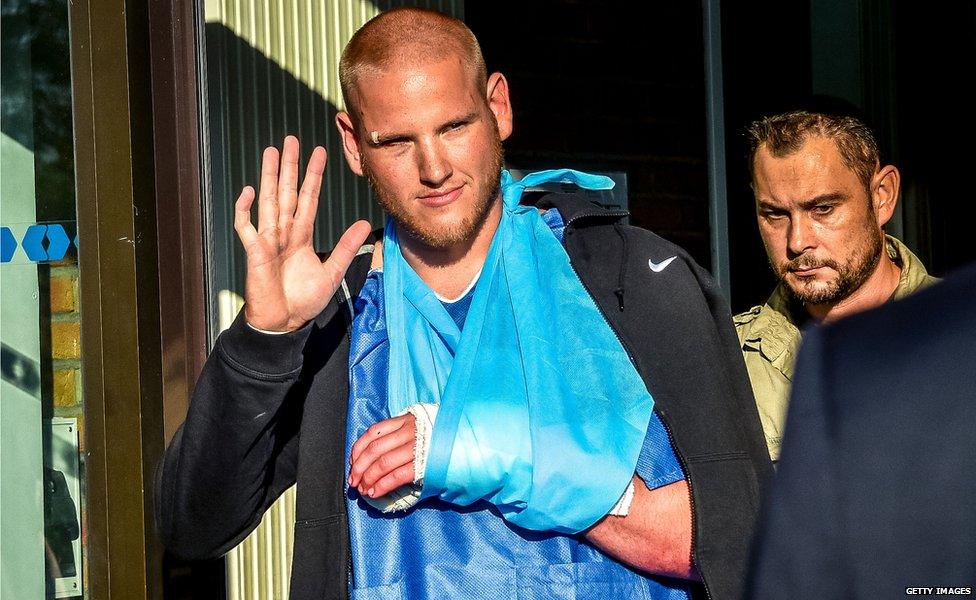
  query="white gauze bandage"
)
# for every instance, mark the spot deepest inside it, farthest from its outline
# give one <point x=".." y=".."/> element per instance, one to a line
<point x="622" y="507"/>
<point x="408" y="495"/>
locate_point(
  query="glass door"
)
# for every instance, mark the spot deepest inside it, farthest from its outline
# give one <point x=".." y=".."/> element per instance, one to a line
<point x="41" y="404"/>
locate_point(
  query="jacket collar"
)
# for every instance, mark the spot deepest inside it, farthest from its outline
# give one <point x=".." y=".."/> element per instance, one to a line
<point x="579" y="204"/>
<point x="913" y="274"/>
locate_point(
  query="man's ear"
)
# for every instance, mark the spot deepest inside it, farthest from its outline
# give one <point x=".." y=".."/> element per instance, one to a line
<point x="500" y="104"/>
<point x="885" y="186"/>
<point x="350" y="143"/>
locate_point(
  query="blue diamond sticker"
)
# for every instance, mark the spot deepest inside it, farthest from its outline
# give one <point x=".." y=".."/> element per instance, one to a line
<point x="8" y="243"/>
<point x="58" y="242"/>
<point x="33" y="243"/>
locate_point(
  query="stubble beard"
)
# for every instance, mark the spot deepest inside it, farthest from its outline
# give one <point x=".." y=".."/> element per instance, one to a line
<point x="850" y="276"/>
<point x="465" y="229"/>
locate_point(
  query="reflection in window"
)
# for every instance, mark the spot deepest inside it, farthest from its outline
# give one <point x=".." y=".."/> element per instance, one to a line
<point x="41" y="503"/>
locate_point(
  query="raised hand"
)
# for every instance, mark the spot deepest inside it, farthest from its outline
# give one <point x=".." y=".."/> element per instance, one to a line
<point x="286" y="284"/>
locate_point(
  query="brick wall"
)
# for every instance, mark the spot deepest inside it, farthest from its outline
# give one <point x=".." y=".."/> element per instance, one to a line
<point x="65" y="326"/>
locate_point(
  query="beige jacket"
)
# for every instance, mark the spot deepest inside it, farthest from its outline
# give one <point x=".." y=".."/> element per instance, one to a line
<point x="770" y="340"/>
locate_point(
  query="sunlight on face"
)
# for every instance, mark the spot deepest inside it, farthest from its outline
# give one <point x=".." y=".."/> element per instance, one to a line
<point x="817" y="222"/>
<point x="435" y="158"/>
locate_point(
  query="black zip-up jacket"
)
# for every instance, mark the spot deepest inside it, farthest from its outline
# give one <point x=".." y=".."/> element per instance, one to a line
<point x="268" y="411"/>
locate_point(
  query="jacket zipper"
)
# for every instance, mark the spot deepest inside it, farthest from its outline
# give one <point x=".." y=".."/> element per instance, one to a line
<point x="604" y="213"/>
<point x="667" y="427"/>
<point x="691" y="500"/>
<point x="345" y="495"/>
<point x="345" y="479"/>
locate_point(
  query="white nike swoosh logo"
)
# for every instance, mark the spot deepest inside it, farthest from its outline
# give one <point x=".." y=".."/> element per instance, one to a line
<point x="658" y="267"/>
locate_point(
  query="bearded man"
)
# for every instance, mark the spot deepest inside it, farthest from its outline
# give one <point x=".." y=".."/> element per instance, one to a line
<point x="822" y="201"/>
<point x="485" y="399"/>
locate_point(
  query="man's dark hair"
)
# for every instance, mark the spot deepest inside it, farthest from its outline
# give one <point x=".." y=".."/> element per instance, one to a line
<point x="785" y="133"/>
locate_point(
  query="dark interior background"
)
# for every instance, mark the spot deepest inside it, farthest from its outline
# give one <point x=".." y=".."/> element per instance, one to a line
<point x="605" y="86"/>
<point x="620" y="86"/>
<point x="901" y="64"/>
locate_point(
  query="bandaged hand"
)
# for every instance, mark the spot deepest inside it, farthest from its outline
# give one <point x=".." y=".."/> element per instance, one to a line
<point x="382" y="459"/>
<point x="390" y="493"/>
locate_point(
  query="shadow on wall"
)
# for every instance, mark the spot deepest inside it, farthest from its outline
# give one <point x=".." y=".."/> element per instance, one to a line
<point x="253" y="102"/>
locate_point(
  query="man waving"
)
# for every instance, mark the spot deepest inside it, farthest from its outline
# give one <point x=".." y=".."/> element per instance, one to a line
<point x="493" y="400"/>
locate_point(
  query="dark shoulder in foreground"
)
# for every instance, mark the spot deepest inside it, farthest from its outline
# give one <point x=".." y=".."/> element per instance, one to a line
<point x="942" y="315"/>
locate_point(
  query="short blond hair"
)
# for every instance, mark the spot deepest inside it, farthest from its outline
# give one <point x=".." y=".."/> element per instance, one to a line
<point x="408" y="36"/>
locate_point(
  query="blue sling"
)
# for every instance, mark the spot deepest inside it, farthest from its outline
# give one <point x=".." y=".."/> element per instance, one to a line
<point x="542" y="413"/>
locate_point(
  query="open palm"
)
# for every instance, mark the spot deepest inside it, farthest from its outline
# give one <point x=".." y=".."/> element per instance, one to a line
<point x="286" y="284"/>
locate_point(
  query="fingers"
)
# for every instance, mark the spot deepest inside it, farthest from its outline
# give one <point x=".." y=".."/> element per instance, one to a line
<point x="377" y="432"/>
<point x="395" y="466"/>
<point x="268" y="198"/>
<point x="288" y="182"/>
<point x="383" y="448"/>
<point x="345" y="250"/>
<point x="308" y="199"/>
<point x="242" y="217"/>
<point x="400" y="476"/>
